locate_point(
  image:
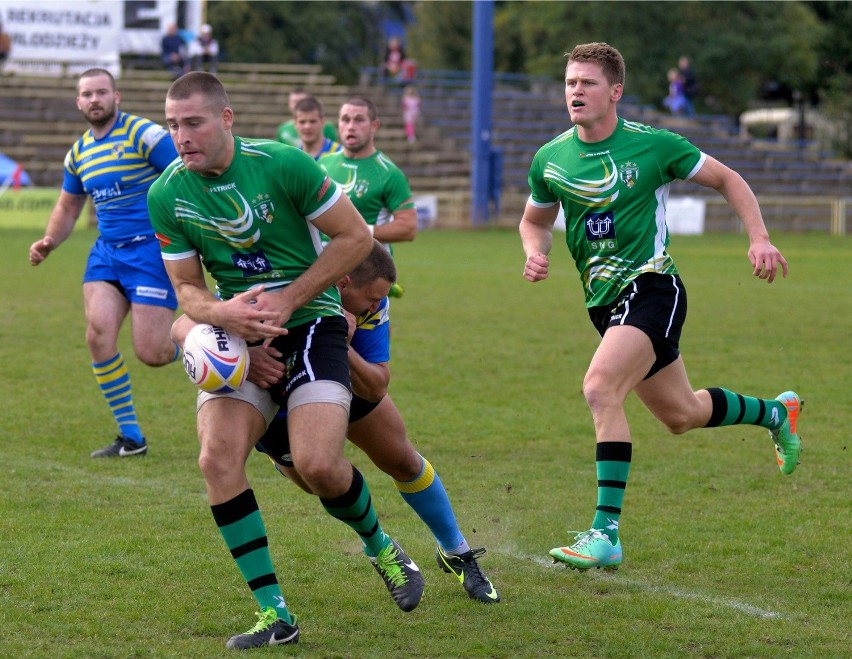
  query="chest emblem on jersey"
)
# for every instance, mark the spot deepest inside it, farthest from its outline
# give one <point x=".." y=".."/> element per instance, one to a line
<point x="118" y="151"/>
<point x="263" y="208"/>
<point x="629" y="173"/>
<point x="600" y="231"/>
<point x="360" y="188"/>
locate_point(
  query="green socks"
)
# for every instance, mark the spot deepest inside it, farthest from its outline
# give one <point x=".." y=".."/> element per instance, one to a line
<point x="732" y="409"/>
<point x="242" y="527"/>
<point x="613" y="465"/>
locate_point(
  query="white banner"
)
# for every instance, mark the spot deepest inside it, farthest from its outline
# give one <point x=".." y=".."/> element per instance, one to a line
<point x="58" y="37"/>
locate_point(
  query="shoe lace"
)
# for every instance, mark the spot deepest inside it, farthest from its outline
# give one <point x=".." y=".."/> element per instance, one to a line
<point x="389" y="565"/>
<point x="469" y="560"/>
<point x="265" y="618"/>
<point x="584" y="538"/>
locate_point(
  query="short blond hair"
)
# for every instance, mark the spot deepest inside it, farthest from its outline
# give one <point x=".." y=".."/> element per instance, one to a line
<point x="609" y="59"/>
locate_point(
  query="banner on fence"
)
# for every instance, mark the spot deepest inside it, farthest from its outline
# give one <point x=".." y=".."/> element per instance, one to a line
<point x="57" y="37"/>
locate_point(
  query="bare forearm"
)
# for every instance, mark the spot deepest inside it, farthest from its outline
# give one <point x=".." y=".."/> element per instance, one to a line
<point x="369" y="380"/>
<point x="535" y="238"/>
<point x="64" y="215"/>
<point x="403" y="228"/>
<point x="743" y="202"/>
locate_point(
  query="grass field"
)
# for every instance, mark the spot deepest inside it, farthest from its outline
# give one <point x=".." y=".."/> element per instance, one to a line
<point x="724" y="556"/>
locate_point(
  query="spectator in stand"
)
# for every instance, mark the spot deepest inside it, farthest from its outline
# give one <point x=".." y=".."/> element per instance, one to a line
<point x="174" y="52"/>
<point x="690" y="84"/>
<point x="5" y="44"/>
<point x="676" y="100"/>
<point x="394" y="57"/>
<point x="410" y="112"/>
<point x="287" y="133"/>
<point x="204" y="51"/>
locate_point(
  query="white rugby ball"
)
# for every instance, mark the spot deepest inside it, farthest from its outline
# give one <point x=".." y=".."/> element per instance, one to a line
<point x="214" y="359"/>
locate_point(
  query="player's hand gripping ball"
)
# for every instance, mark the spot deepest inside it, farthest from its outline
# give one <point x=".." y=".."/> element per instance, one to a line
<point x="214" y="359"/>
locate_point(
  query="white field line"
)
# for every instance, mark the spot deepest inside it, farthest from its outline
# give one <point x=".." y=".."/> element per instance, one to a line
<point x="730" y="602"/>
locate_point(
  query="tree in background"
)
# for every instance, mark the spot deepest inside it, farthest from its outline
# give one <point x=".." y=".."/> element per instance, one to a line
<point x="736" y="47"/>
<point x="834" y="82"/>
<point x="342" y="37"/>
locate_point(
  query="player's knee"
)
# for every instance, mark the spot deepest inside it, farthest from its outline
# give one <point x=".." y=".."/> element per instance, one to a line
<point x="220" y="463"/>
<point x="213" y="466"/>
<point x="677" y="424"/>
<point x="597" y="392"/>
<point x="159" y="355"/>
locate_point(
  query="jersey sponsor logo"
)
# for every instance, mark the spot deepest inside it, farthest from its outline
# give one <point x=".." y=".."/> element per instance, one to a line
<point x="595" y="154"/>
<point x="223" y="188"/>
<point x="110" y="192"/>
<point x="251" y="264"/>
<point x="600" y="231"/>
<point x="629" y="173"/>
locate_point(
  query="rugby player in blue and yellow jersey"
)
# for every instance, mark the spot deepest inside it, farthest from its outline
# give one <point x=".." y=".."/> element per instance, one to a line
<point x="114" y="163"/>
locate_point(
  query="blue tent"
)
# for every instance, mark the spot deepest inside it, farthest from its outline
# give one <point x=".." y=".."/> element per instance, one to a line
<point x="8" y="169"/>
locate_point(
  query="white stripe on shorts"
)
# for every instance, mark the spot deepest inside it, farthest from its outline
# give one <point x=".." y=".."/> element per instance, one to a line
<point x="674" y="306"/>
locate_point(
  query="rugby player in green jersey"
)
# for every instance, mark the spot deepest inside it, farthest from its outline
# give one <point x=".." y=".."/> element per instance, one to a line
<point x="309" y="119"/>
<point x="611" y="177"/>
<point x="287" y="133"/>
<point x="377" y="187"/>
<point x="254" y="211"/>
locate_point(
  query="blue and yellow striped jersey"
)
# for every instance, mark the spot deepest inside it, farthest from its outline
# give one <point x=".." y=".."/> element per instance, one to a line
<point x="116" y="171"/>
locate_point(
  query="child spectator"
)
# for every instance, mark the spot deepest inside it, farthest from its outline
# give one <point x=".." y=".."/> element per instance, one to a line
<point x="410" y="111"/>
<point x="676" y="100"/>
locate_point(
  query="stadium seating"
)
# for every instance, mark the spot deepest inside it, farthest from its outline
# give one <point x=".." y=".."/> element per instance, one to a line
<point x="39" y="120"/>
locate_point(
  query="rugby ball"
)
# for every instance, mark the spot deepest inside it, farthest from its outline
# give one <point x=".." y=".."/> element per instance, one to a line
<point x="215" y="360"/>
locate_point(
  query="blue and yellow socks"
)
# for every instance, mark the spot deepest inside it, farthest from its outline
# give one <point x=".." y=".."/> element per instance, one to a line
<point x="114" y="381"/>
<point x="428" y="498"/>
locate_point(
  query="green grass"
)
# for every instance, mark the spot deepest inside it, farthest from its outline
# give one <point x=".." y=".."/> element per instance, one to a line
<point x="724" y="557"/>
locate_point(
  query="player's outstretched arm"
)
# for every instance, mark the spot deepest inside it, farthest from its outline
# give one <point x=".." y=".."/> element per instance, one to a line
<point x="59" y="226"/>
<point x="765" y="258"/>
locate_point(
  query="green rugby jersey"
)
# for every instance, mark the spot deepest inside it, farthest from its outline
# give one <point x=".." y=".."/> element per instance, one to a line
<point x="250" y="225"/>
<point x="376" y="186"/>
<point x="614" y="197"/>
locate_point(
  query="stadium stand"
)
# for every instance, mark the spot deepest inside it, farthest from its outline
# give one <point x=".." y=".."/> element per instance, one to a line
<point x="800" y="189"/>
